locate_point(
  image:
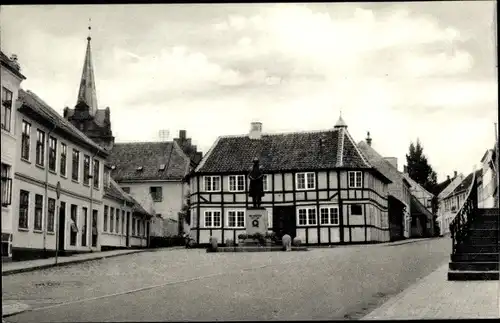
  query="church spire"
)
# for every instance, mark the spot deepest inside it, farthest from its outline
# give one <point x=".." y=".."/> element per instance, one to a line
<point x="87" y="95"/>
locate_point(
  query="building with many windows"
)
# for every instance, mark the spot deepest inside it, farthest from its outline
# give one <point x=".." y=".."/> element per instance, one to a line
<point x="318" y="187"/>
<point x="11" y="79"/>
<point x="51" y="151"/>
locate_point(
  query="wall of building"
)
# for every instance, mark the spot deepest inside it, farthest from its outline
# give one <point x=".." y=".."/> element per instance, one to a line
<point x="8" y="157"/>
<point x="487" y="199"/>
<point x="331" y="189"/>
<point x="31" y="178"/>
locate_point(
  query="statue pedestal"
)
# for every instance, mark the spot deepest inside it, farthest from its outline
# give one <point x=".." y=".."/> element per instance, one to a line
<point x="256" y="221"/>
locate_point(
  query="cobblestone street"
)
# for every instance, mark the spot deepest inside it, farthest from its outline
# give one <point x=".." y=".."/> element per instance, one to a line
<point x="330" y="283"/>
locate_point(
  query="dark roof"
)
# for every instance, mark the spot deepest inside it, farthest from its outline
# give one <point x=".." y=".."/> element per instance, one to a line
<point x="127" y="157"/>
<point x="99" y="117"/>
<point x="11" y="66"/>
<point x="313" y="150"/>
<point x="31" y="102"/>
<point x="419" y="208"/>
<point x="464" y="186"/>
<point x="441" y="186"/>
<point x="396" y="188"/>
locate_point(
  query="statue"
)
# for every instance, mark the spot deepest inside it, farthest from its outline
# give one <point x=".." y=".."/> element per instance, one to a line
<point x="256" y="190"/>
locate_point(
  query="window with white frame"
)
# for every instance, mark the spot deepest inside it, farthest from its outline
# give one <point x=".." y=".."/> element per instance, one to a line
<point x="38" y="212"/>
<point x="105" y="224"/>
<point x="75" y="170"/>
<point x="52" y="153"/>
<point x="356" y="209"/>
<point x="6" y="109"/>
<point x="6" y="185"/>
<point x="211" y="183"/>
<point x="235" y="219"/>
<point x="25" y="140"/>
<point x="51" y="215"/>
<point x="306" y="181"/>
<point x="86" y="169"/>
<point x="265" y="183"/>
<point x="212" y="219"/>
<point x="95" y="173"/>
<point x="62" y="164"/>
<point x="156" y="193"/>
<point x="40" y="147"/>
<point x="355" y="179"/>
<point x="306" y="216"/>
<point x="236" y="183"/>
<point x="329" y="215"/>
<point x="23" y="209"/>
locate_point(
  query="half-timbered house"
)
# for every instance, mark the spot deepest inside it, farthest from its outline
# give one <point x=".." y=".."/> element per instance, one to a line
<point x="318" y="187"/>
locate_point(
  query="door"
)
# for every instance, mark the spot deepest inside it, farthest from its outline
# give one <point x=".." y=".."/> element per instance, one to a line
<point x="128" y="230"/>
<point x="62" y="225"/>
<point x="284" y="221"/>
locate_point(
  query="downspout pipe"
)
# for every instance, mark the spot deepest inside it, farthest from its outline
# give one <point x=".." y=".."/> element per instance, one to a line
<point x="45" y="218"/>
<point x="91" y="217"/>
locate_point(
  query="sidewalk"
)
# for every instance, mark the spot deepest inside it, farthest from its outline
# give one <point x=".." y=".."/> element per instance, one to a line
<point x="31" y="265"/>
<point x="409" y="240"/>
<point x="434" y="297"/>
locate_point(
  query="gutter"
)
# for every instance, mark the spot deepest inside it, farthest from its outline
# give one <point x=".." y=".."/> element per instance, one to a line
<point x="46" y="188"/>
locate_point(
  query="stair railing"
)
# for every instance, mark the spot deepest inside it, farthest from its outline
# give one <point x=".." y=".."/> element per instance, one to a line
<point x="459" y="227"/>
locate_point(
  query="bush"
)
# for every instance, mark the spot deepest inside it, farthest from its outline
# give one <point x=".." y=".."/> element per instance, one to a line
<point x="297" y="241"/>
<point x="287" y="241"/>
<point x="164" y="242"/>
<point x="242" y="236"/>
<point x="229" y="242"/>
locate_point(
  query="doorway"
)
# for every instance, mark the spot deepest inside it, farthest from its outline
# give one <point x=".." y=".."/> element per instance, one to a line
<point x="284" y="221"/>
<point x="62" y="227"/>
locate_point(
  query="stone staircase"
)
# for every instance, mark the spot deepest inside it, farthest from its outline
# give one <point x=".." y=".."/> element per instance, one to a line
<point x="477" y="256"/>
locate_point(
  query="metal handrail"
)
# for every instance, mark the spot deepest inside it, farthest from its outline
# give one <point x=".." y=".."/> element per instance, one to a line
<point x="465" y="215"/>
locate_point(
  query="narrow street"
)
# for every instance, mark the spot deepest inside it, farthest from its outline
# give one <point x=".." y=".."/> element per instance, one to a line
<point x="330" y="283"/>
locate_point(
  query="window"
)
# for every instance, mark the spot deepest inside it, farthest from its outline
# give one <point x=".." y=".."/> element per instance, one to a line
<point x="23" y="209"/>
<point x="95" y="173"/>
<point x="40" y="147"/>
<point x="6" y="109"/>
<point x="356" y="209"/>
<point x="117" y="221"/>
<point x="236" y="183"/>
<point x="75" y="171"/>
<point x="212" y="219"/>
<point x="306" y="181"/>
<point x="84" y="227"/>
<point x="94" y="228"/>
<point x="211" y="183"/>
<point x="265" y="183"/>
<point x="6" y="185"/>
<point x="133" y="226"/>
<point x="105" y="225"/>
<point x="38" y="212"/>
<point x="355" y="179"/>
<point x="329" y="215"/>
<point x="156" y="193"/>
<point x="86" y="169"/>
<point x="429" y="203"/>
<point x="74" y="227"/>
<point x="123" y="222"/>
<point x="25" y="141"/>
<point x="62" y="165"/>
<point x="306" y="216"/>
<point x="111" y="219"/>
<point x="126" y="189"/>
<point x="236" y="219"/>
<point x="51" y="215"/>
<point x="52" y="153"/>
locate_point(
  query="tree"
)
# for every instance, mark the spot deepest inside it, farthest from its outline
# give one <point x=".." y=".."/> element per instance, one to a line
<point x="421" y="172"/>
<point x="419" y="169"/>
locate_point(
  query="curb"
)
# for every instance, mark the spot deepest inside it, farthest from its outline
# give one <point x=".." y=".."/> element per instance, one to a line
<point x="397" y="243"/>
<point x="21" y="307"/>
<point x="69" y="262"/>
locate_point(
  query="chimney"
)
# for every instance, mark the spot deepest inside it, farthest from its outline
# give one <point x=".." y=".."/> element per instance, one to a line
<point x="65" y="112"/>
<point x="368" y="139"/>
<point x="405" y="169"/>
<point x="13" y="59"/>
<point x="255" y="130"/>
<point x="393" y="161"/>
<point x="454" y="174"/>
<point x="182" y="135"/>
<point x="448" y="177"/>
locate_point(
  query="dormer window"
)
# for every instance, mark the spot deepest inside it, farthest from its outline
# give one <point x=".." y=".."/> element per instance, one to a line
<point x="162" y="167"/>
<point x="113" y="167"/>
<point x="140" y="168"/>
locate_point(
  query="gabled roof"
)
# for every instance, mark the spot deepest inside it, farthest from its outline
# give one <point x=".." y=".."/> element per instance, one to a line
<point x="114" y="190"/>
<point x="35" y="107"/>
<point x="465" y="184"/>
<point x="296" y="151"/>
<point x="413" y="183"/>
<point x="440" y="187"/>
<point x="128" y="157"/>
<point x="419" y="208"/>
<point x="396" y="188"/>
<point x="11" y="66"/>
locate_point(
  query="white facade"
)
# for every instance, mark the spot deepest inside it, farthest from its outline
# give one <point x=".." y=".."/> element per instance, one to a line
<point x="447" y="205"/>
<point x="486" y="198"/>
<point x="11" y="83"/>
<point x="36" y="210"/>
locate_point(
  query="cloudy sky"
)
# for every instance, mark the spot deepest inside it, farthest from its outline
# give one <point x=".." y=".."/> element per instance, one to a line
<point x="399" y="70"/>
